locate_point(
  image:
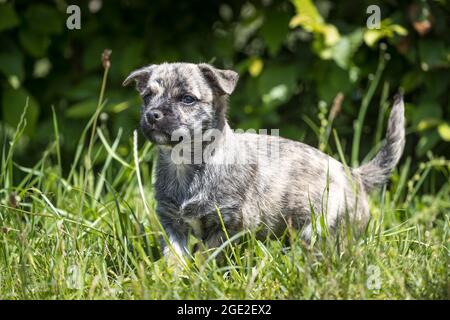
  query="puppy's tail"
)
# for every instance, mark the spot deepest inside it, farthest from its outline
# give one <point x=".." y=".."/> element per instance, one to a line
<point x="376" y="172"/>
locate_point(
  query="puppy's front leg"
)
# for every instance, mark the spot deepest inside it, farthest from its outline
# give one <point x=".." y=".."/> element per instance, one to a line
<point x="175" y="251"/>
<point x="215" y="239"/>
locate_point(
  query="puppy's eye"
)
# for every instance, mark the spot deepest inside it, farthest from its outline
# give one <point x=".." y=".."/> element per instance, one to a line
<point x="188" y="99"/>
<point x="147" y="97"/>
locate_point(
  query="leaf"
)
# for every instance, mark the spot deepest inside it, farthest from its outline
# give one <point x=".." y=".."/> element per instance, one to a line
<point x="255" y="67"/>
<point x="85" y="89"/>
<point x="276" y="95"/>
<point x="387" y="30"/>
<point x="44" y="19"/>
<point x="427" y="142"/>
<point x="433" y="54"/>
<point x="331" y="34"/>
<point x="427" y="124"/>
<point x="426" y="110"/>
<point x="41" y="68"/>
<point x="34" y="43"/>
<point x="91" y="57"/>
<point x="444" y="131"/>
<point x="119" y="107"/>
<point x="337" y="80"/>
<point x="13" y="105"/>
<point x="246" y="29"/>
<point x="372" y="36"/>
<point x="274" y="30"/>
<point x="310" y="19"/>
<point x="326" y="35"/>
<point x="307" y="14"/>
<point x="412" y="80"/>
<point x="81" y="110"/>
<point x="345" y="48"/>
<point x="398" y="29"/>
<point x="277" y="84"/>
<point x="11" y="65"/>
<point x="132" y="57"/>
<point x="8" y="17"/>
<point x="86" y="108"/>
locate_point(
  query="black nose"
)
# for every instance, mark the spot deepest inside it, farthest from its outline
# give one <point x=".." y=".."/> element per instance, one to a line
<point x="154" y="115"/>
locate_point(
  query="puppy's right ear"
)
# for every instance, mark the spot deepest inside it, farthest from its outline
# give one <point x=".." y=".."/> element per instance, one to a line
<point x="140" y="78"/>
<point x="222" y="81"/>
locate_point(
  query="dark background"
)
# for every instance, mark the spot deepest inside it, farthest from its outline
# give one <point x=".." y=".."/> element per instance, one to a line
<point x="288" y="68"/>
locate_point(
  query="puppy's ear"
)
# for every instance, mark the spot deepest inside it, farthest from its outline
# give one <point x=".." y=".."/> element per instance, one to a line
<point x="140" y="78"/>
<point x="222" y="81"/>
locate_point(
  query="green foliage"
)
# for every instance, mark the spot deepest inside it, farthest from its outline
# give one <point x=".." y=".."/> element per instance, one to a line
<point x="8" y="17"/>
<point x="291" y="56"/>
<point x="387" y="30"/>
<point x="11" y="66"/>
<point x="14" y="102"/>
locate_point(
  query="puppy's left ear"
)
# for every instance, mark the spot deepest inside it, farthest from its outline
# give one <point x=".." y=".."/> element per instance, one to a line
<point x="222" y="81"/>
<point x="140" y="77"/>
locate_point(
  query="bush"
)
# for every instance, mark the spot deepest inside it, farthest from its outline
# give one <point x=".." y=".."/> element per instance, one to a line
<point x="292" y="57"/>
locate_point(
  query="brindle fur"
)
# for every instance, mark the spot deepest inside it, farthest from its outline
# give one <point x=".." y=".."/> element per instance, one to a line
<point x="266" y="193"/>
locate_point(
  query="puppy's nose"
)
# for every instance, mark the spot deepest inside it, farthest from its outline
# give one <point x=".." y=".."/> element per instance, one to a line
<point x="154" y="116"/>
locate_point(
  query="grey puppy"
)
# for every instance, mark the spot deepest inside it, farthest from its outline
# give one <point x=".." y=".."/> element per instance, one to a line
<point x="270" y="190"/>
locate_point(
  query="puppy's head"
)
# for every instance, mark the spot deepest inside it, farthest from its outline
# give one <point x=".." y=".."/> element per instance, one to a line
<point x="181" y="96"/>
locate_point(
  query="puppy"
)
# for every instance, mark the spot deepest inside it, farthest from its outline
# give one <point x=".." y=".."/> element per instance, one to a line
<point x="244" y="181"/>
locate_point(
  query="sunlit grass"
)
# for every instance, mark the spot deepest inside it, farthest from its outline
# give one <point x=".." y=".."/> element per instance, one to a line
<point x="93" y="234"/>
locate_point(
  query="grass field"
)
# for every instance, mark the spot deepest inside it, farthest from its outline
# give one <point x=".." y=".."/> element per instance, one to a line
<point x="93" y="234"/>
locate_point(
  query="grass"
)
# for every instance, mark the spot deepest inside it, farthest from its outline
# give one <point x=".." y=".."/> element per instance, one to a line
<point x="93" y="234"/>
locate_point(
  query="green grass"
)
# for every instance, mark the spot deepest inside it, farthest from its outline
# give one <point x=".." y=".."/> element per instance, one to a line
<point x="92" y="234"/>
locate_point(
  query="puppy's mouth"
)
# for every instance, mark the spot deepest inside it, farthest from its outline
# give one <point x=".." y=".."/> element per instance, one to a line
<point x="157" y="135"/>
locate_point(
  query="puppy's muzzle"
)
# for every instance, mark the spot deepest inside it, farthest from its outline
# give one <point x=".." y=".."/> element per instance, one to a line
<point x="153" y="116"/>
